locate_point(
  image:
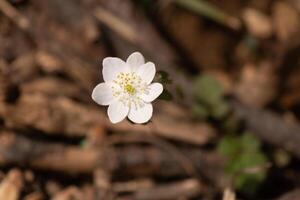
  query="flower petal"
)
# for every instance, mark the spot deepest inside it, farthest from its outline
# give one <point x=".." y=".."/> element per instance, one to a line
<point x="112" y="66"/>
<point x="147" y="72"/>
<point x="135" y="60"/>
<point x="141" y="115"/>
<point x="154" y="90"/>
<point x="117" y="111"/>
<point x="103" y="94"/>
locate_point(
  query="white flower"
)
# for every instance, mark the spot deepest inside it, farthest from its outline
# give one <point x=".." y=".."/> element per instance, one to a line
<point x="127" y="88"/>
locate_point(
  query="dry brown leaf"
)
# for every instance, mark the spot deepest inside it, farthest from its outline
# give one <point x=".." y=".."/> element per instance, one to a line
<point x="257" y="23"/>
<point x="11" y="186"/>
<point x="204" y="45"/>
<point x="228" y="194"/>
<point x="286" y="20"/>
<point x="257" y="85"/>
<point x="69" y="193"/>
<point x="34" y="196"/>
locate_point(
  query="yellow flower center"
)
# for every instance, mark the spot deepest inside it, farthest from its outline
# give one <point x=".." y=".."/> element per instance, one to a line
<point x="130" y="85"/>
<point x="130" y="89"/>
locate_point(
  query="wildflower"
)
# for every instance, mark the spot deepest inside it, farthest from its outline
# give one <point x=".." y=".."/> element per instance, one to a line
<point x="127" y="89"/>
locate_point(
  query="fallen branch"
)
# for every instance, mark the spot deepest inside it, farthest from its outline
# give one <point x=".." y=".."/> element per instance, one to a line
<point x="292" y="195"/>
<point x="185" y="189"/>
<point x="270" y="127"/>
<point x="116" y="24"/>
<point x="132" y="160"/>
<point x="21" y="151"/>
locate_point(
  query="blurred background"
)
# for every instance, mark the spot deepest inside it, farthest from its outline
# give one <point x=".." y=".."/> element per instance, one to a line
<point x="225" y="128"/>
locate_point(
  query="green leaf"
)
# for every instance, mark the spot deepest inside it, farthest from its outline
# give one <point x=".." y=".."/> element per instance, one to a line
<point x="200" y="111"/>
<point x="229" y="147"/>
<point x="208" y="90"/>
<point x="250" y="143"/>
<point x="163" y="77"/>
<point x="251" y="171"/>
<point x="220" y="110"/>
<point x="245" y="163"/>
<point x="247" y="183"/>
<point x="166" y="95"/>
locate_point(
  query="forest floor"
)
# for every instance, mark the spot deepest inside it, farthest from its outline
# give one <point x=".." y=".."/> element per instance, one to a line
<point x="227" y="126"/>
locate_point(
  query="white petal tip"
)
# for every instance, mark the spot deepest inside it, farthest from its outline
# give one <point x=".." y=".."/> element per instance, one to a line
<point x="141" y="115"/>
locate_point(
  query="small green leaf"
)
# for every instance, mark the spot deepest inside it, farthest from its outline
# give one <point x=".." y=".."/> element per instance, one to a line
<point x="220" y="110"/>
<point x="251" y="171"/>
<point x="163" y="77"/>
<point x="247" y="183"/>
<point x="166" y="95"/>
<point x="250" y="143"/>
<point x="229" y="146"/>
<point x="247" y="161"/>
<point x="208" y="90"/>
<point x="200" y="111"/>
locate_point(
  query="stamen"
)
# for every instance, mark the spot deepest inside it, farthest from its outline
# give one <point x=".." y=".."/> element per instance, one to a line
<point x="130" y="86"/>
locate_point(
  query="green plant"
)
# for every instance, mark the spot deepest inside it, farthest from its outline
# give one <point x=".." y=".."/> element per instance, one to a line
<point x="164" y="78"/>
<point x="246" y="164"/>
<point x="209" y="96"/>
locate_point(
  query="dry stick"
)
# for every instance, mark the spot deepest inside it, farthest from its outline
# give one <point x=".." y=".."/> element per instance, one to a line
<point x="8" y="10"/>
<point x="291" y="195"/>
<point x="19" y="150"/>
<point x="132" y="160"/>
<point x="49" y="86"/>
<point x="185" y="189"/>
<point x="71" y="192"/>
<point x="189" y="132"/>
<point x="102" y="184"/>
<point x="116" y="24"/>
<point x="180" y="157"/>
<point x="37" y="195"/>
<point x="132" y="186"/>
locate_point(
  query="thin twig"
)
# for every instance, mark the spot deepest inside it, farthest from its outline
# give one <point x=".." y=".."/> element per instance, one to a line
<point x="9" y="11"/>
<point x="115" y="24"/>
